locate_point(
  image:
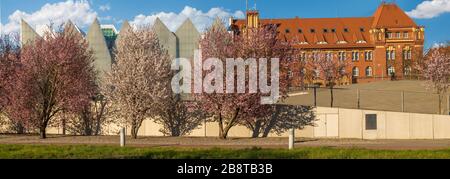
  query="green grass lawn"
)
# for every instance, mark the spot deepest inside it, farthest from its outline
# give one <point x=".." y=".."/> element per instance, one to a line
<point x="111" y="152"/>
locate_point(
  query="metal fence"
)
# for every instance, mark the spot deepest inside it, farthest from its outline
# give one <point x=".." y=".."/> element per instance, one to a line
<point x="386" y="100"/>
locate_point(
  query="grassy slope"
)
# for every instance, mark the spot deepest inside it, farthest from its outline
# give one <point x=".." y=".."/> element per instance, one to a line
<point x="102" y="152"/>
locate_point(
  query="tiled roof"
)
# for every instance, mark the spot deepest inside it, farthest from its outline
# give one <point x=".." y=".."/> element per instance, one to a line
<point x="336" y="32"/>
<point x="390" y="15"/>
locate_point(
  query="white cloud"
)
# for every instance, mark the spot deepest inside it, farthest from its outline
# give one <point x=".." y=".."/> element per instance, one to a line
<point x="430" y="9"/>
<point x="200" y="19"/>
<point x="110" y="19"/>
<point x="105" y="7"/>
<point x="79" y="11"/>
<point x="437" y="45"/>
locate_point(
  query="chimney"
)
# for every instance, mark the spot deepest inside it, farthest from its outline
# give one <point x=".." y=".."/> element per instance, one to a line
<point x="252" y="18"/>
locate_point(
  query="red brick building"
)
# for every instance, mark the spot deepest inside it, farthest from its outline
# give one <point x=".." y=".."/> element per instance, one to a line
<point x="377" y="46"/>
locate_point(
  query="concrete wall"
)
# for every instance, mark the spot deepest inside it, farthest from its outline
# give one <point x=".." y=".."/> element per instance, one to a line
<point x="338" y="123"/>
<point x="27" y="33"/>
<point x="390" y="125"/>
<point x="187" y="40"/>
<point x="167" y="39"/>
<point x="98" y="45"/>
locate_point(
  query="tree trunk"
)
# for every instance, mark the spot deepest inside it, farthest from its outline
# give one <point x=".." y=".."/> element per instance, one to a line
<point x="223" y="132"/>
<point x="221" y="127"/>
<point x="134" y="131"/>
<point x="257" y="129"/>
<point x="64" y="126"/>
<point x="175" y="132"/>
<point x="332" y="96"/>
<point x="273" y="120"/>
<point x="42" y="133"/>
<point x="440" y="104"/>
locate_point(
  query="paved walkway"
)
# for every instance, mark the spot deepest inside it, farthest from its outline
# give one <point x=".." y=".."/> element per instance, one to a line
<point x="230" y="143"/>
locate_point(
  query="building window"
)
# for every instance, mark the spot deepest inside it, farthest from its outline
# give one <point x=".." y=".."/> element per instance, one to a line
<point x="342" y="56"/>
<point x="328" y="56"/>
<point x="315" y="56"/>
<point x="333" y="30"/>
<point x="303" y="56"/>
<point x="355" y="72"/>
<point x="290" y="74"/>
<point x="316" y="73"/>
<point x="355" y="56"/>
<point x="302" y="72"/>
<point x="398" y="35"/>
<point x="408" y="70"/>
<point x="313" y="30"/>
<point x="390" y="54"/>
<point x="325" y="30"/>
<point x="345" y="29"/>
<point x="287" y="31"/>
<point x="371" y="122"/>
<point x="405" y="35"/>
<point x="407" y="54"/>
<point x="389" y="35"/>
<point x="369" y="71"/>
<point x="300" y="31"/>
<point x="361" y="29"/>
<point x="368" y="55"/>
<point x="391" y="71"/>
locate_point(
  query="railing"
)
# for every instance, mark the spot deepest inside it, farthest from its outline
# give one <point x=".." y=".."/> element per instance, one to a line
<point x="386" y="100"/>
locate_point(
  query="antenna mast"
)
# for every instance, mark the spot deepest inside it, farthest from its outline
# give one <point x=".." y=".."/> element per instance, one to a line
<point x="246" y="5"/>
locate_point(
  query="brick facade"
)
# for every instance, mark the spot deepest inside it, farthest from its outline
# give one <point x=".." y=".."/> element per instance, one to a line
<point x="389" y="41"/>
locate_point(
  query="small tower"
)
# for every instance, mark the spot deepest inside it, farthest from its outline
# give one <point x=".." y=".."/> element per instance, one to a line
<point x="252" y="18"/>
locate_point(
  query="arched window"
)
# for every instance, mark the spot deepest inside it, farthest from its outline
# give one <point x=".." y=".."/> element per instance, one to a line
<point x="328" y="56"/>
<point x="391" y="70"/>
<point x="390" y="54"/>
<point x="369" y="71"/>
<point x="317" y="73"/>
<point x="355" y="71"/>
<point x="407" y="70"/>
<point x="302" y="72"/>
<point x="315" y="56"/>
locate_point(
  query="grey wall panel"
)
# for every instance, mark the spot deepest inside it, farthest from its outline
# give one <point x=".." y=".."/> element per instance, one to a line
<point x="187" y="40"/>
<point x="98" y="44"/>
<point x="27" y="33"/>
<point x="167" y="39"/>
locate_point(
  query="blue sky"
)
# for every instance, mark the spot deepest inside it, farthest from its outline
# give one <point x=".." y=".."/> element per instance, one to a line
<point x="433" y="14"/>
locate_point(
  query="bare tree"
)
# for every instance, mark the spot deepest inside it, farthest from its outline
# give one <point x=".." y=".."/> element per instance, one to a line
<point x="91" y="120"/>
<point x="331" y="69"/>
<point x="179" y="117"/>
<point x="282" y="118"/>
<point x="140" y="78"/>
